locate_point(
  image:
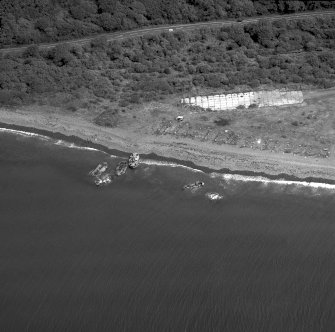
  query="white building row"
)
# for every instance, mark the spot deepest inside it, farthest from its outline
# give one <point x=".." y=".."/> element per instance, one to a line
<point x="233" y="100"/>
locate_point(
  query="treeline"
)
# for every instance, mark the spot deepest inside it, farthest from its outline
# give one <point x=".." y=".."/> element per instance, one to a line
<point x="34" y="21"/>
<point x="152" y="67"/>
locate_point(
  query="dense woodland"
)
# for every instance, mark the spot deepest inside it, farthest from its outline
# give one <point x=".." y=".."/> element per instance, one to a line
<point x="34" y="21"/>
<point x="155" y="66"/>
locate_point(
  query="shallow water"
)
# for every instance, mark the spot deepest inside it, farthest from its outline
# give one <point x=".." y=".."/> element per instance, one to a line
<point x="143" y="255"/>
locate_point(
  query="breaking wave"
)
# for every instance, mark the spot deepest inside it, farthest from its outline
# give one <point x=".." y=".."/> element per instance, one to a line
<point x="24" y="133"/>
<point x="56" y="142"/>
<point x="169" y="164"/>
<point x="266" y="181"/>
<point x="226" y="177"/>
<point x="78" y="147"/>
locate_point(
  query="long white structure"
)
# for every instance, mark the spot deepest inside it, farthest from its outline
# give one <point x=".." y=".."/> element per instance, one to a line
<point x="233" y="100"/>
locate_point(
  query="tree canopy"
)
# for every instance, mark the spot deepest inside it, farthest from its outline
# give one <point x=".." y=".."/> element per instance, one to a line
<point x="33" y="21"/>
<point x="150" y="67"/>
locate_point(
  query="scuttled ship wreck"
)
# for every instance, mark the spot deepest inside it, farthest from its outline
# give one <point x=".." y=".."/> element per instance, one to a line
<point x="104" y="175"/>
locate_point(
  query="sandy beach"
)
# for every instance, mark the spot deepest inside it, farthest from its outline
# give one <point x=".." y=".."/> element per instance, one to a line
<point x="212" y="156"/>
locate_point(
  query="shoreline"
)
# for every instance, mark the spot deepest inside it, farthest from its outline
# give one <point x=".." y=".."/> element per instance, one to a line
<point x="81" y="142"/>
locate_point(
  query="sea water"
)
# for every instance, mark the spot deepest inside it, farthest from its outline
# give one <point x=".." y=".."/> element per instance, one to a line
<point x="143" y="255"/>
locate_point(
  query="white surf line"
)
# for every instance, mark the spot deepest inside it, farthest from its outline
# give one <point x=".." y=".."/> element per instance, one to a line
<point x="58" y="142"/>
<point x="74" y="146"/>
<point x="78" y="147"/>
<point x="168" y="164"/>
<point x="260" y="179"/>
<point x="23" y="133"/>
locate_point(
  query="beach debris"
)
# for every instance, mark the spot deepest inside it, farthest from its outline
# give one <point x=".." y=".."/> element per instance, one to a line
<point x="179" y="118"/>
<point x="134" y="160"/>
<point x="214" y="196"/>
<point x="99" y="169"/>
<point x="121" y="168"/>
<point x="194" y="186"/>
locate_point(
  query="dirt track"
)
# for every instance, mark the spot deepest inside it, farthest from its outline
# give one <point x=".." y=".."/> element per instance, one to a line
<point x="176" y="27"/>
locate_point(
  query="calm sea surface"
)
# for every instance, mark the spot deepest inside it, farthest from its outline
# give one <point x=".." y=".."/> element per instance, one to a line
<point x="143" y="255"/>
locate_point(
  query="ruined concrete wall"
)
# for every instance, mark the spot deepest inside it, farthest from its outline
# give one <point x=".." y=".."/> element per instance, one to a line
<point x="233" y="100"/>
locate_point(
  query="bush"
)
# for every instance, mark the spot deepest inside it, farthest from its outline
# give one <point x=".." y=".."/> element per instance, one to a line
<point x="101" y="87"/>
<point x="71" y="108"/>
<point x="109" y="118"/>
<point x="213" y="80"/>
<point x="253" y="106"/>
<point x="222" y="122"/>
<point x="42" y="24"/>
<point x="158" y="85"/>
<point x="31" y="52"/>
<point x="134" y="99"/>
<point x="61" y="54"/>
<point x="123" y="103"/>
<point x="99" y="43"/>
<point x="254" y="83"/>
<point x="11" y="98"/>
